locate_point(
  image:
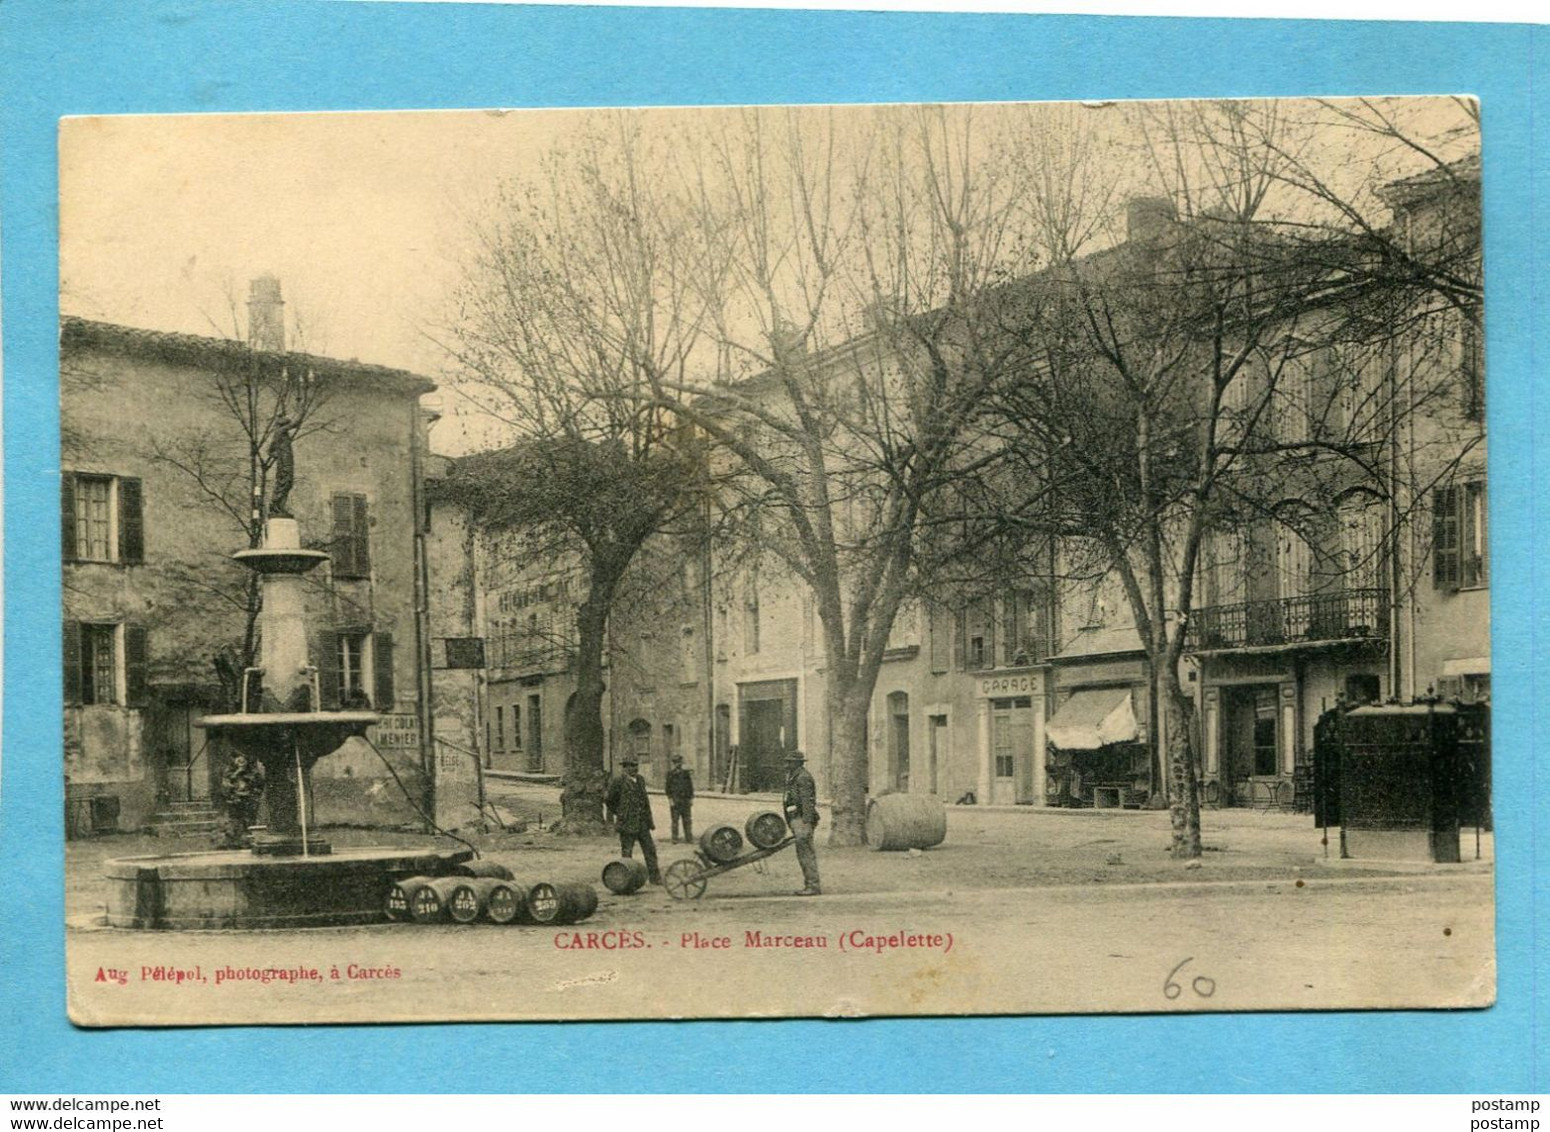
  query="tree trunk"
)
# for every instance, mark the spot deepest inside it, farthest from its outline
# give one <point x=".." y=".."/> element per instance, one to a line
<point x="1184" y="778"/>
<point x="586" y="778"/>
<point x="848" y="760"/>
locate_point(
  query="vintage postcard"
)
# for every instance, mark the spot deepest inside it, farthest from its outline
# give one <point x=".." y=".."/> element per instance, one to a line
<point x="775" y="562"/>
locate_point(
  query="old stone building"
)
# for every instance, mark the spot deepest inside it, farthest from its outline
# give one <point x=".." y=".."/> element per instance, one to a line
<point x="156" y="493"/>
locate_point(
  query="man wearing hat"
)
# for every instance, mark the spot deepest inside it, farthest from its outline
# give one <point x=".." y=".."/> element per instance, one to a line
<point x="680" y="798"/>
<point x="631" y="807"/>
<point x="801" y="806"/>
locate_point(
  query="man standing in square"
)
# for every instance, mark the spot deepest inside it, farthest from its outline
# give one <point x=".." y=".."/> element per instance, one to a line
<point x="631" y="807"/>
<point x="801" y="806"/>
<point x="680" y="798"/>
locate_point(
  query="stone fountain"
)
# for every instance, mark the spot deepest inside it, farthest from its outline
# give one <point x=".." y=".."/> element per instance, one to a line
<point x="290" y="877"/>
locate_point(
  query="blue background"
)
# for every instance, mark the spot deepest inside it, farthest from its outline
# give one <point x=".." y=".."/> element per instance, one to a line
<point x="157" y="57"/>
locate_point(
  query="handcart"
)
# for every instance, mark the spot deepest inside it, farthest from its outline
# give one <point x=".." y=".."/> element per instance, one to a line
<point x="686" y="879"/>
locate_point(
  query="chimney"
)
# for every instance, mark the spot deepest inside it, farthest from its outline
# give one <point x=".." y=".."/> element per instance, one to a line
<point x="266" y="315"/>
<point x="1147" y="219"/>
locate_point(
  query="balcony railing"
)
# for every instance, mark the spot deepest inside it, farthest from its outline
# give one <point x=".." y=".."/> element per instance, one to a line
<point x="1351" y="615"/>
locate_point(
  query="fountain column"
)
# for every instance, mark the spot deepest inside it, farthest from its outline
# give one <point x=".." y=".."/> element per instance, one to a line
<point x="283" y="627"/>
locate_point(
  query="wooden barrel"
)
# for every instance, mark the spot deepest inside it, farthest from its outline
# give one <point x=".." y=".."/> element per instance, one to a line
<point x="765" y="830"/>
<point x="551" y="903"/>
<point x="429" y="903"/>
<point x="905" y="821"/>
<point x="482" y="869"/>
<point x="401" y="896"/>
<point x="495" y="899"/>
<point x="624" y="876"/>
<point x="721" y="843"/>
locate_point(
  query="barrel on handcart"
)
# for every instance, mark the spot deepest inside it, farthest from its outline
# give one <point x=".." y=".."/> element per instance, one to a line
<point x="721" y="843"/>
<point x="765" y="830"/>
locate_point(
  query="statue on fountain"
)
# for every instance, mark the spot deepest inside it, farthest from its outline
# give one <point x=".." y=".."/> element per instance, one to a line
<point x="283" y="460"/>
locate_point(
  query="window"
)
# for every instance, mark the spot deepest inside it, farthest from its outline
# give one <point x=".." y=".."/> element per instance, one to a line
<point x="1362" y="393"/>
<point x="1226" y="567"/>
<point x="535" y="733"/>
<point x="1472" y="371"/>
<point x="1460" y="553"/>
<point x="500" y="728"/>
<point x="349" y="545"/>
<point x="516" y="727"/>
<point x="1296" y="393"/>
<point x="1022" y="628"/>
<point x="352" y="667"/>
<point x="101" y="519"/>
<point x="688" y="656"/>
<point x="977" y="636"/>
<point x="640" y="740"/>
<point x="355" y="669"/>
<point x="1294" y="555"/>
<point x="105" y="663"/>
<point x="1361" y="541"/>
<point x="941" y="629"/>
<point x="751" y="617"/>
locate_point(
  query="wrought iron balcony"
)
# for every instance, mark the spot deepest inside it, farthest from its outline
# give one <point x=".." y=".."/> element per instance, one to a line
<point x="1349" y="615"/>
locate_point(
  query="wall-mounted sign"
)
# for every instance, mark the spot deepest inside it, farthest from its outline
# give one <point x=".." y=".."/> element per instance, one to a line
<point x="1025" y="684"/>
<point x="397" y="732"/>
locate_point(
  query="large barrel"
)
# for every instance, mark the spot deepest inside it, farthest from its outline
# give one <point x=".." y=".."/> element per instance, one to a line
<point x="721" y="843"/>
<point x="905" y="821"/>
<point x="624" y="876"/>
<point x="400" y="898"/>
<point x="550" y="903"/>
<point x="482" y="869"/>
<point x="765" y="830"/>
<point x="495" y="898"/>
<point x="429" y="903"/>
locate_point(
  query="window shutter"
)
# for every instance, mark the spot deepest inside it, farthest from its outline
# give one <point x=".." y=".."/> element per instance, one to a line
<point x="131" y="521"/>
<point x="358" y="528"/>
<point x="73" y="650"/>
<point x="341" y="546"/>
<point x="67" y="517"/>
<point x="1445" y="538"/>
<point x="136" y="665"/>
<point x="328" y="669"/>
<point x="961" y="639"/>
<point x="382" y="670"/>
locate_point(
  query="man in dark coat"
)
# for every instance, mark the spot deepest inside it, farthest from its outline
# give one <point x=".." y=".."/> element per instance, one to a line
<point x="801" y="806"/>
<point x="631" y="807"/>
<point x="680" y="798"/>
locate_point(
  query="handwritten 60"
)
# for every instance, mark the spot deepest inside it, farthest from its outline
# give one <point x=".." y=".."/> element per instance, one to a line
<point x="1202" y="985"/>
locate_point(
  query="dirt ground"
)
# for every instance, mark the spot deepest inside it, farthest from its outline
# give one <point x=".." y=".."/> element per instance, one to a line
<point x="984" y="849"/>
<point x="1017" y="912"/>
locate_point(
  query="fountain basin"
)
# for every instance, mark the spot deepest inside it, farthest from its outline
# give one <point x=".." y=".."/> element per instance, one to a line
<point x="234" y="889"/>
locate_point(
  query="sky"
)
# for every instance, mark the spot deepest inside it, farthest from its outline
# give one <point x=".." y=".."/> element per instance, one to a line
<point x="363" y="217"/>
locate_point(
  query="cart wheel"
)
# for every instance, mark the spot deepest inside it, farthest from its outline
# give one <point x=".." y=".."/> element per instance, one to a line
<point x="683" y="880"/>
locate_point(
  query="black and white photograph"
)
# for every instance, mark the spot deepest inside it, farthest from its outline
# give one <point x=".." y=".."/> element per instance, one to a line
<point x="778" y="561"/>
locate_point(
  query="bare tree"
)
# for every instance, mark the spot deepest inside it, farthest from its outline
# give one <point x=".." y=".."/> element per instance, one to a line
<point x="577" y="305"/>
<point x="851" y="359"/>
<point x="1182" y="384"/>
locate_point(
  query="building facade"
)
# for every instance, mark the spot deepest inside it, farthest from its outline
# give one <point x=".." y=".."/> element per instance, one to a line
<point x="156" y="495"/>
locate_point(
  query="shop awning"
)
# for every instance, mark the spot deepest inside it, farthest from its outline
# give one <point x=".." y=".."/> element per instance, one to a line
<point x="1093" y="718"/>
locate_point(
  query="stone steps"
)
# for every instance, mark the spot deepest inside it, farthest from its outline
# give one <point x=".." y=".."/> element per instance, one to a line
<point x="187" y="819"/>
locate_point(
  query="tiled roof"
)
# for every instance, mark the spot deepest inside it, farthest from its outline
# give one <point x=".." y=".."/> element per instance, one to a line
<point x="193" y="349"/>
